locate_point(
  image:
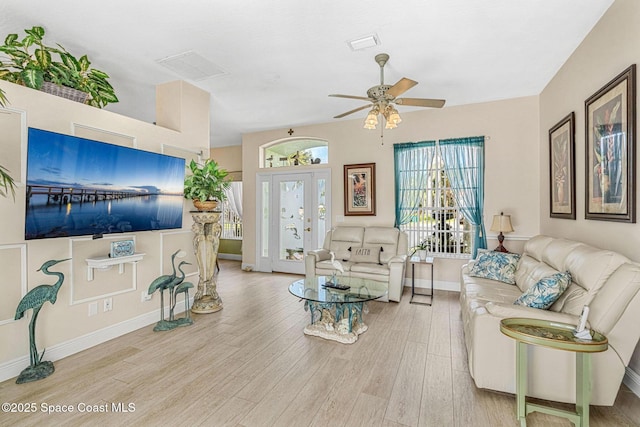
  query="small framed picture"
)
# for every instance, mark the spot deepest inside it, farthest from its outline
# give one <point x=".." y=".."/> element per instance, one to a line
<point x="360" y="189"/>
<point x="562" y="167"/>
<point x="122" y="248"/>
<point x="611" y="150"/>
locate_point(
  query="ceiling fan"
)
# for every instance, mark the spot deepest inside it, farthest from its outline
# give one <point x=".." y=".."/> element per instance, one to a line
<point x="383" y="97"/>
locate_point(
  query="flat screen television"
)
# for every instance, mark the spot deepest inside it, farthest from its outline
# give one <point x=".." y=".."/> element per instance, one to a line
<point x="76" y="186"/>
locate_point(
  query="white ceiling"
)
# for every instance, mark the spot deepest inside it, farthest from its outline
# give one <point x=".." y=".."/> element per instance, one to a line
<point x="282" y="58"/>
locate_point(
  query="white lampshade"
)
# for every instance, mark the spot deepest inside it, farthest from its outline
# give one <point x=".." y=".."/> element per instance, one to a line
<point x="502" y="223"/>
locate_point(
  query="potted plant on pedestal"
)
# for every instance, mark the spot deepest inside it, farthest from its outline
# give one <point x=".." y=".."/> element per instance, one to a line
<point x="31" y="63"/>
<point x="206" y="185"/>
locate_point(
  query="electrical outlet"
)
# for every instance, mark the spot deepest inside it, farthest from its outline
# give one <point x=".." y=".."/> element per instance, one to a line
<point x="144" y="296"/>
<point x="108" y="304"/>
<point x="93" y="308"/>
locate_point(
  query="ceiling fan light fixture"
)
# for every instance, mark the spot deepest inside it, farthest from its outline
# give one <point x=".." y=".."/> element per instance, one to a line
<point x="372" y="119"/>
<point x="390" y="125"/>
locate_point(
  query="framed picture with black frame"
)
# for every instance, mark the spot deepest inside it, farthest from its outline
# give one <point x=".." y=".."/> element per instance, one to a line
<point x="610" y="152"/>
<point x="562" y="169"/>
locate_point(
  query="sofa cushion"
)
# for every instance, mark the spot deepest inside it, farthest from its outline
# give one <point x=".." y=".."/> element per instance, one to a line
<point x="530" y="271"/>
<point x="535" y="246"/>
<point x="342" y="238"/>
<point x="545" y="292"/>
<point x="556" y="252"/>
<point x="366" y="267"/>
<point x="385" y="237"/>
<point x="326" y="265"/>
<point x="366" y="254"/>
<point x="498" y="266"/>
<point x="590" y="268"/>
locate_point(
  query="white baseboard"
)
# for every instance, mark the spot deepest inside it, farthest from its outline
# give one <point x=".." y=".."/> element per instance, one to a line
<point x="234" y="257"/>
<point x="438" y="284"/>
<point x="632" y="380"/>
<point x="13" y="367"/>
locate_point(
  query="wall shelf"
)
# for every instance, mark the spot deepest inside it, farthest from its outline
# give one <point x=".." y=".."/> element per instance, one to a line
<point x="105" y="262"/>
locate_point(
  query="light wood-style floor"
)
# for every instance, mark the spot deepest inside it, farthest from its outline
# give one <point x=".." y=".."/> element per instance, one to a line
<point x="251" y="365"/>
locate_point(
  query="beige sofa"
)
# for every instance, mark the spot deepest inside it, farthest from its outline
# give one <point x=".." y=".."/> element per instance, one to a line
<point x="339" y="240"/>
<point x="606" y="281"/>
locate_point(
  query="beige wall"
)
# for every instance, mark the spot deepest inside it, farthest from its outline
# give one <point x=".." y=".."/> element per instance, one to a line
<point x="229" y="158"/>
<point x="64" y="321"/>
<point x="610" y="48"/>
<point x="511" y="178"/>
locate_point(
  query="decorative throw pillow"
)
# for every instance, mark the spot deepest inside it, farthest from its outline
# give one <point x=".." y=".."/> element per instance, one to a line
<point x="544" y="293"/>
<point x="369" y="254"/>
<point x="499" y="266"/>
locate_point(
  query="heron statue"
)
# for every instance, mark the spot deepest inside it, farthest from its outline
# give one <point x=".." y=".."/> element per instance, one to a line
<point x="175" y="282"/>
<point x="337" y="266"/>
<point x="162" y="282"/>
<point x="35" y="299"/>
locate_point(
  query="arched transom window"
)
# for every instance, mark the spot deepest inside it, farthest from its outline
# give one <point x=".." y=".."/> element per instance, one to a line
<point x="294" y="152"/>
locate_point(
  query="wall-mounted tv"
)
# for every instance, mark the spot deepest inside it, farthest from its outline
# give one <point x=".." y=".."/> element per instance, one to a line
<point x="77" y="186"/>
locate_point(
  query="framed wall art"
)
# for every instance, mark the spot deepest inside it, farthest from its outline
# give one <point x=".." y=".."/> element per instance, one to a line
<point x="562" y="179"/>
<point x="360" y="189"/>
<point x="610" y="150"/>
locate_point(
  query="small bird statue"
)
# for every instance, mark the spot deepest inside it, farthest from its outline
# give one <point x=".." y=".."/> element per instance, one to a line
<point x="35" y="299"/>
<point x="336" y="265"/>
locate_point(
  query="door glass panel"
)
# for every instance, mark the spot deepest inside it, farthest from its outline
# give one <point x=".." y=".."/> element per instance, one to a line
<point x="321" y="225"/>
<point x="291" y="220"/>
<point x="265" y="218"/>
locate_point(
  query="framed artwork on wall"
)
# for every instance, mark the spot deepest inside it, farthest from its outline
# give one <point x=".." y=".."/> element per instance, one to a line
<point x="562" y="178"/>
<point x="610" y="120"/>
<point x="360" y="189"/>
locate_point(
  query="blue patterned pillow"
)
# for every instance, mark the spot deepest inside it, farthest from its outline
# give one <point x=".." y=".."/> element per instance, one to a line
<point x="499" y="266"/>
<point x="544" y="293"/>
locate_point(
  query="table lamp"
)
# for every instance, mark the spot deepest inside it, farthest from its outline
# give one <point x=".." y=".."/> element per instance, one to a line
<point x="501" y="223"/>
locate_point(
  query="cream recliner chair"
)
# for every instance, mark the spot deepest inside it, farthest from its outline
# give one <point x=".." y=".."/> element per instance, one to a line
<point x="344" y="239"/>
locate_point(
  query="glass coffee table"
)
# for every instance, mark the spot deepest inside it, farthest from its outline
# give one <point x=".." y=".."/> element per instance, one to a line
<point x="337" y="308"/>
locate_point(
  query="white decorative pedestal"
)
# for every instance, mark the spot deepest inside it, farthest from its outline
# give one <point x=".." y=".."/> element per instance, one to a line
<point x="206" y="240"/>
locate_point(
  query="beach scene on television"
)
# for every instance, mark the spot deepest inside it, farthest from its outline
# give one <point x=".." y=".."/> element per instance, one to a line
<point x="77" y="186"/>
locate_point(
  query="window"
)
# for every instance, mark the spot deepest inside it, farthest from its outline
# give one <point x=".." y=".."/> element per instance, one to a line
<point x="231" y="218"/>
<point x="295" y="152"/>
<point x="439" y="195"/>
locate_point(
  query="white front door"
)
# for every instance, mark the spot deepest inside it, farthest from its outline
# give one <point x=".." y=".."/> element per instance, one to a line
<point x="294" y="215"/>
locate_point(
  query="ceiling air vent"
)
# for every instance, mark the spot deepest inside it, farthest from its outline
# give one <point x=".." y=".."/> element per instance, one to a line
<point x="191" y="65"/>
<point x="365" y="42"/>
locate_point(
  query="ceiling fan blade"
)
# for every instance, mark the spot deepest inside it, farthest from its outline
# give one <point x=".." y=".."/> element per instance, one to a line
<point x="352" y="111"/>
<point x="421" y="102"/>
<point x="363" y="98"/>
<point x="403" y="85"/>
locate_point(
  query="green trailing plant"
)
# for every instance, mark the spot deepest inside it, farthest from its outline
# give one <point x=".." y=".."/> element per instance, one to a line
<point x="7" y="184"/>
<point x="30" y="62"/>
<point x="206" y="182"/>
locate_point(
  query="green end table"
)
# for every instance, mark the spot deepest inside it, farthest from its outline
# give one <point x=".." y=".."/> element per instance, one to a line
<point x="559" y="336"/>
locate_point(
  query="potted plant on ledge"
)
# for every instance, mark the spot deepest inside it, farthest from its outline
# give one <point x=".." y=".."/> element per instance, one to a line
<point x="206" y="185"/>
<point x="31" y="63"/>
